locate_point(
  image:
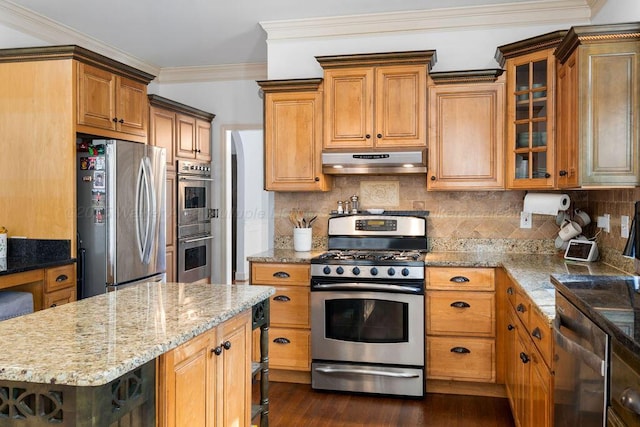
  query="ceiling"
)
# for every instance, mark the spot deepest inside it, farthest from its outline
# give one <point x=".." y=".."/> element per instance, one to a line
<point x="190" y="33"/>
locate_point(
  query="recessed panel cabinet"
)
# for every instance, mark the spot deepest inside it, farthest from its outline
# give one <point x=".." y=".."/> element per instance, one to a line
<point x="293" y="136"/>
<point x="598" y="117"/>
<point x="375" y="100"/>
<point x="466" y="131"/>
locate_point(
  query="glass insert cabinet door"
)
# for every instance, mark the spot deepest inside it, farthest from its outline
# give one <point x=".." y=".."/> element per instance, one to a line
<point x="530" y="137"/>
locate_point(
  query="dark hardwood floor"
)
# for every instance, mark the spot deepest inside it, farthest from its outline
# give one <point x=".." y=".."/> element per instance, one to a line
<point x="293" y="405"/>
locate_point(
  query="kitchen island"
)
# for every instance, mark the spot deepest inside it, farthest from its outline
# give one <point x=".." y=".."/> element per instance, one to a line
<point x="93" y="362"/>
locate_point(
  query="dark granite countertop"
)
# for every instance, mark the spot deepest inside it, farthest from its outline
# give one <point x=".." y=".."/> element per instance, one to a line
<point x="34" y="254"/>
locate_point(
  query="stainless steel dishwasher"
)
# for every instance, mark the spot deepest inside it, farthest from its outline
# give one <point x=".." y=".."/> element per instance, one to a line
<point x="581" y="363"/>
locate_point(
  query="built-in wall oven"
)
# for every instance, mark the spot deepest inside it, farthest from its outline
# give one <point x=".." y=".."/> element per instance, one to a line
<point x="194" y="215"/>
<point x="367" y="306"/>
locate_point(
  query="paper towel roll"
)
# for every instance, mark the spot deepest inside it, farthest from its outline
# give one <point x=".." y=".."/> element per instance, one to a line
<point x="545" y="204"/>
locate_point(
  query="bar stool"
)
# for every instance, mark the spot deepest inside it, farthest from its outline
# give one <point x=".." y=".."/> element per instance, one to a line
<point x="13" y="304"/>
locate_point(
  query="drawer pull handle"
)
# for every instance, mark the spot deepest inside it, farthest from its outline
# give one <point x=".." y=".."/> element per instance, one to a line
<point x="62" y="278"/>
<point x="282" y="340"/>
<point x="281" y="275"/>
<point x="459" y="279"/>
<point x="537" y="333"/>
<point x="509" y="290"/>
<point x="524" y="357"/>
<point x="521" y="308"/>
<point x="510" y="327"/>
<point x="282" y="298"/>
<point x="630" y="399"/>
<point x="460" y="304"/>
<point x="217" y="350"/>
<point x="460" y="350"/>
<point x="226" y="345"/>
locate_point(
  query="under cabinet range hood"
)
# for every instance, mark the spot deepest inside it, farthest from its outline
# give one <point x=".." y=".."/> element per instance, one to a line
<point x="374" y="163"/>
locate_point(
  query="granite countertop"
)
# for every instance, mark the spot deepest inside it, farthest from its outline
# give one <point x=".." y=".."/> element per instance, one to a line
<point x="532" y="272"/>
<point x="96" y="340"/>
<point x="34" y="254"/>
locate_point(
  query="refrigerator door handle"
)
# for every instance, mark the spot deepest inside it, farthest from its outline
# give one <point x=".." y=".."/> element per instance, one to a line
<point x="152" y="211"/>
<point x="142" y="211"/>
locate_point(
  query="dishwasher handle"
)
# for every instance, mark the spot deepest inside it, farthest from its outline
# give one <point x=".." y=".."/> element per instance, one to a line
<point x="591" y="359"/>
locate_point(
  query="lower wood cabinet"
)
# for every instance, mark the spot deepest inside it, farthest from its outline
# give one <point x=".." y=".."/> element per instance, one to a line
<point x="460" y="324"/>
<point x="528" y="350"/>
<point x="290" y="332"/>
<point x="207" y="380"/>
<point x="59" y="285"/>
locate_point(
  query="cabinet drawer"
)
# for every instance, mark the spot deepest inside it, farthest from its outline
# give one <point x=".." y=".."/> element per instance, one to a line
<point x="478" y="279"/>
<point x="62" y="296"/>
<point x="290" y="307"/>
<point x="542" y="336"/>
<point x="60" y="277"/>
<point x="460" y="313"/>
<point x="289" y="349"/>
<point x="275" y="274"/>
<point x="465" y="359"/>
<point x="523" y="308"/>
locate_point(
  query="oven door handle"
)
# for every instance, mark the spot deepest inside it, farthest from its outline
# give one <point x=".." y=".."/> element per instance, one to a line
<point x="591" y="359"/>
<point x="376" y="372"/>
<point x="368" y="287"/>
<point x="196" y="239"/>
<point x="191" y="178"/>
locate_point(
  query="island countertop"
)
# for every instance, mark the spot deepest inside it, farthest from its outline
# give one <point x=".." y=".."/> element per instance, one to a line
<point x="96" y="340"/>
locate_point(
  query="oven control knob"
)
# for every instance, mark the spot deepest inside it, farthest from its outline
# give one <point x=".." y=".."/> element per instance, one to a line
<point x="405" y="272"/>
<point x="326" y="270"/>
<point x="356" y="270"/>
<point x="339" y="270"/>
<point x="374" y="271"/>
<point x="391" y="272"/>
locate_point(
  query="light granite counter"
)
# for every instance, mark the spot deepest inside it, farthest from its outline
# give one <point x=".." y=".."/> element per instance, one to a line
<point x="94" y="341"/>
<point x="531" y="272"/>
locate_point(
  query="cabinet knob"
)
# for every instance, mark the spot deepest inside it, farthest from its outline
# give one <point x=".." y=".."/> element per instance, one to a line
<point x="459" y="279"/>
<point x="537" y="333"/>
<point x="282" y="298"/>
<point x="524" y="357"/>
<point x="379" y="136"/>
<point x="460" y="304"/>
<point x="433" y="177"/>
<point x="121" y="121"/>
<point x="316" y="179"/>
<point x="114" y="120"/>
<point x="521" y="308"/>
<point x="564" y="173"/>
<point x="630" y="399"/>
<point x="460" y="350"/>
<point x="62" y="278"/>
<point x="281" y="275"/>
<point x="54" y="305"/>
<point x="226" y="345"/>
<point x="367" y="136"/>
<point x="547" y="175"/>
<point x="282" y="340"/>
<point x="217" y="351"/>
<point x="510" y="327"/>
<point x="509" y="290"/>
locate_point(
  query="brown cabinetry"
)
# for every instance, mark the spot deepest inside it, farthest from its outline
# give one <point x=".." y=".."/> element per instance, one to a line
<point x="293" y="135"/>
<point x="376" y="100"/>
<point x="111" y="102"/>
<point x="290" y="332"/>
<point x="528" y="351"/>
<point x="598" y="117"/>
<point x="530" y="127"/>
<point x="59" y="285"/>
<point x="460" y="324"/>
<point x="206" y="381"/>
<point x="466" y="130"/>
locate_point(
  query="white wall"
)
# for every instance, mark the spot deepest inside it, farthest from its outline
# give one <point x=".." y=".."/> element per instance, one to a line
<point x="618" y="11"/>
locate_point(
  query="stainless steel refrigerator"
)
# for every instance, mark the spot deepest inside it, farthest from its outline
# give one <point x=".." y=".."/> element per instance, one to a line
<point x="121" y="215"/>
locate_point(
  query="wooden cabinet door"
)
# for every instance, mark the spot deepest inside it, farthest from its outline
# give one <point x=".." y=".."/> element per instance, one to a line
<point x="162" y="132"/>
<point x="203" y="140"/>
<point x="292" y="142"/>
<point x="400" y="106"/>
<point x="56" y="298"/>
<point x="348" y="108"/>
<point x="132" y="109"/>
<point x="540" y="395"/>
<point x="96" y="103"/>
<point x="567" y="162"/>
<point x="466" y="125"/>
<point x="187" y="384"/>
<point x="233" y="373"/>
<point x="186" y="136"/>
<point x="511" y="356"/>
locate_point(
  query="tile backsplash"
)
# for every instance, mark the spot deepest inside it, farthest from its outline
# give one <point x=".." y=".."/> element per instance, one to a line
<point x="461" y="220"/>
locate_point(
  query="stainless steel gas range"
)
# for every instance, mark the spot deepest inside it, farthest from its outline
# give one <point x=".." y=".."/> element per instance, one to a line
<point x="367" y="305"/>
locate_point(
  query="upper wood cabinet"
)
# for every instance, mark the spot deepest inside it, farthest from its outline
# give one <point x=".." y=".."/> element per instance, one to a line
<point x="111" y="105"/>
<point x="530" y="127"/>
<point x="598" y="118"/>
<point x="466" y="130"/>
<point x="376" y="100"/>
<point x="293" y="135"/>
<point x="184" y="131"/>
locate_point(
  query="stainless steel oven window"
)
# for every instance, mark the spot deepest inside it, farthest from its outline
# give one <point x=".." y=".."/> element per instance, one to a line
<point x="194" y="198"/>
<point x="362" y="316"/>
<point x="194" y="259"/>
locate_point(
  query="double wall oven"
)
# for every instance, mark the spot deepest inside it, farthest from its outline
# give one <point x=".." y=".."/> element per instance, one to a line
<point x="194" y="221"/>
<point x="367" y="305"/>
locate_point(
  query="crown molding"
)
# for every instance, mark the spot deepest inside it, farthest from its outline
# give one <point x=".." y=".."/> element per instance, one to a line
<point x="50" y="31"/>
<point x="595" y="6"/>
<point x="250" y="71"/>
<point x="489" y="16"/>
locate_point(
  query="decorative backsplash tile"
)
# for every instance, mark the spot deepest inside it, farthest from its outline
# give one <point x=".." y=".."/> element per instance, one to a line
<point x="380" y="194"/>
